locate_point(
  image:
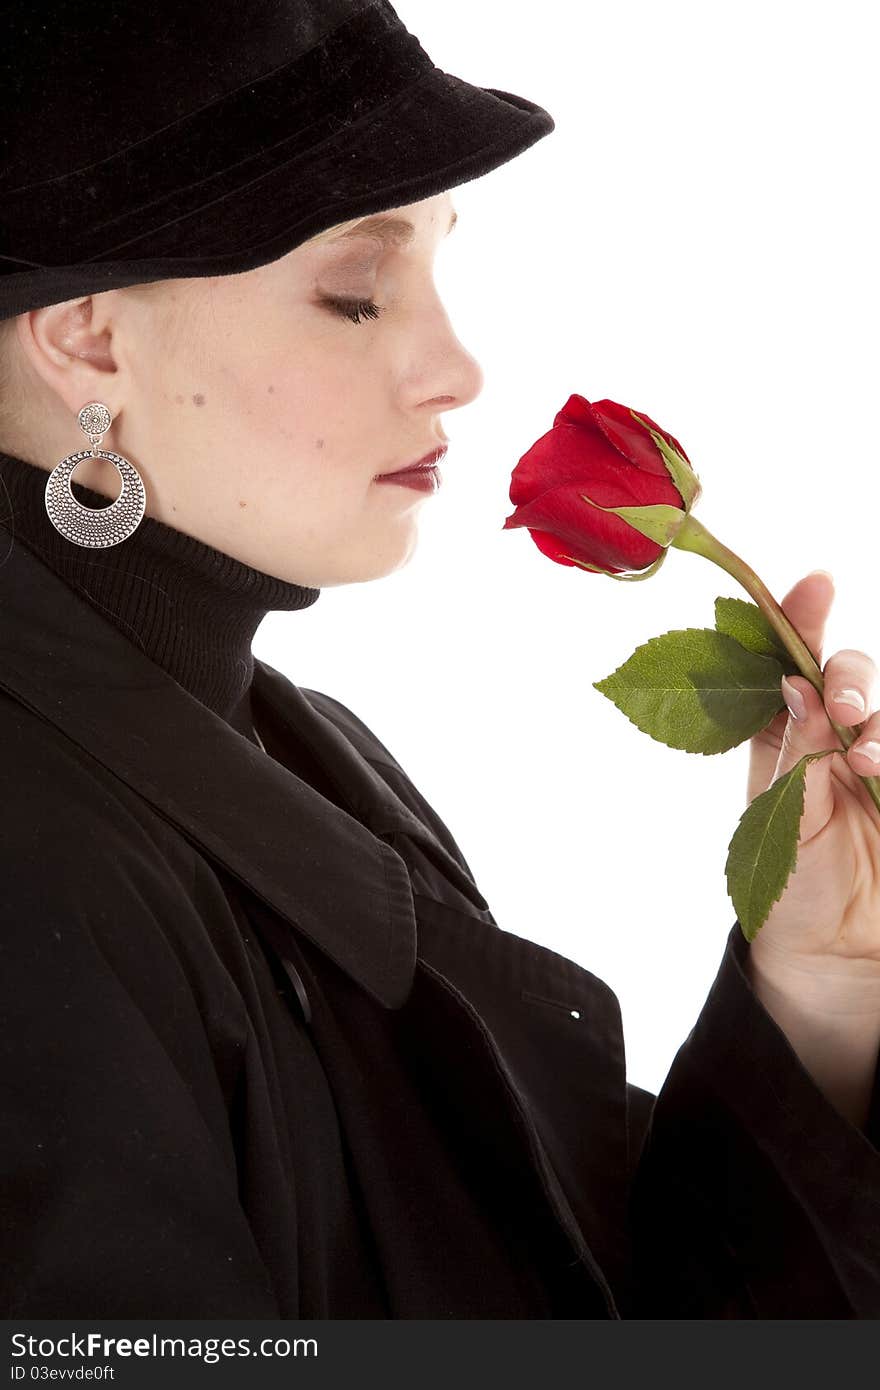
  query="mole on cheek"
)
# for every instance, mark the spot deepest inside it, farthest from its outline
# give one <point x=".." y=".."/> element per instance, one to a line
<point x="271" y="389"/>
<point x="319" y="443"/>
<point x="199" y="399"/>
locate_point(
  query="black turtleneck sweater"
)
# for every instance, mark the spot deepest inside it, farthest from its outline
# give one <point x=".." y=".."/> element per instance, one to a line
<point x="193" y="609"/>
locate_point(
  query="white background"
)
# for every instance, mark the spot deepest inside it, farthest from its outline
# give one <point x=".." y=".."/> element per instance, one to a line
<point x="697" y="239"/>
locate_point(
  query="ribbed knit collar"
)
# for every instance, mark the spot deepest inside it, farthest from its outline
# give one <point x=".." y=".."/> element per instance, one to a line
<point x="193" y="609"/>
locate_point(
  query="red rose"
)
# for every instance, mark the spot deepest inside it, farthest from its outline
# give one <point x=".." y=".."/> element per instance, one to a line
<point x="598" y="453"/>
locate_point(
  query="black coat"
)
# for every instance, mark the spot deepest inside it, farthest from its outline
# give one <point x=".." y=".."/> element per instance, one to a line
<point x="266" y="1052"/>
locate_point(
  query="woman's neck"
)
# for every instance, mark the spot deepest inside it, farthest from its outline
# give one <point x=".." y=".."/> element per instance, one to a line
<point x="193" y="609"/>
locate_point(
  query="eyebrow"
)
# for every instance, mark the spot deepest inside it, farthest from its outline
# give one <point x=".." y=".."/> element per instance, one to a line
<point x="391" y="231"/>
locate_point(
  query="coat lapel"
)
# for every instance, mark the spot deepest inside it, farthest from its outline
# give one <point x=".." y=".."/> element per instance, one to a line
<point x="322" y="870"/>
<point x="371" y="798"/>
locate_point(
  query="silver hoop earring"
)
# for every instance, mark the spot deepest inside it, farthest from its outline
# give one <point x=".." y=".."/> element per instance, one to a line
<point x="95" y="526"/>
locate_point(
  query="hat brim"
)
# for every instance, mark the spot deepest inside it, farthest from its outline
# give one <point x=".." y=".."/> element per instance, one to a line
<point x="438" y="133"/>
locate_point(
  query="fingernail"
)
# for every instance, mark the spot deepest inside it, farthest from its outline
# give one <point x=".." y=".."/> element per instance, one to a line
<point x="794" y="700"/>
<point x="849" y="697"/>
<point x="870" y="748"/>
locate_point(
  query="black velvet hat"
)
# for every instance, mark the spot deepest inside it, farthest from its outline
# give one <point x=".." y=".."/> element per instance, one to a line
<point x="152" y="139"/>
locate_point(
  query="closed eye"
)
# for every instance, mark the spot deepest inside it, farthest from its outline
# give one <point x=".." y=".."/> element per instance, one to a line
<point x="352" y="309"/>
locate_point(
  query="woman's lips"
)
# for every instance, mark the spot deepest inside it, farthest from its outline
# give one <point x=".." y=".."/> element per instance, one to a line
<point x="424" y="479"/>
<point x="435" y="456"/>
<point x="424" y="475"/>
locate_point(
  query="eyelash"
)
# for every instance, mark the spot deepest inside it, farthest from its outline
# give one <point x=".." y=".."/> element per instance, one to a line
<point x="352" y="309"/>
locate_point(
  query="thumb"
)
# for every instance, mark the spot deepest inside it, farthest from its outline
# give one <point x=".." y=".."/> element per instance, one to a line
<point x="809" y="730"/>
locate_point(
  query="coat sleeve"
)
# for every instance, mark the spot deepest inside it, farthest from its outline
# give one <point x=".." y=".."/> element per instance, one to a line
<point x="118" y="1193"/>
<point x="751" y="1196"/>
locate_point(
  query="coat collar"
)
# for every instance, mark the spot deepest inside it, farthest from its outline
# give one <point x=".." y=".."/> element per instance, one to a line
<point x="367" y="792"/>
<point x="327" y="872"/>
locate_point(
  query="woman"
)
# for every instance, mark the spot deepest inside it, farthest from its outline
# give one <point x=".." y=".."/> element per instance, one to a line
<point x="266" y="1051"/>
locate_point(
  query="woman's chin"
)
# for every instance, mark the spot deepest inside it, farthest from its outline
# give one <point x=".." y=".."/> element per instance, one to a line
<point x="361" y="570"/>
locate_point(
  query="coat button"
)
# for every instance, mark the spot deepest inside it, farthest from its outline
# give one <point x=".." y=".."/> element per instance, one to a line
<point x="295" y="979"/>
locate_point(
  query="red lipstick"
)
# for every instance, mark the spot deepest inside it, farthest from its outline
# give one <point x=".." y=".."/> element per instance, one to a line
<point x="424" y="475"/>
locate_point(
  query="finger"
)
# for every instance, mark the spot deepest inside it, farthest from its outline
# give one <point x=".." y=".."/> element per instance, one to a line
<point x="806" y="605"/>
<point x="850" y="678"/>
<point x="812" y="732"/>
<point x="864" y="754"/>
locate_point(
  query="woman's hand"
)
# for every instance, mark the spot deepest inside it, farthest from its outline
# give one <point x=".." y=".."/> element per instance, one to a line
<point x="827" y="922"/>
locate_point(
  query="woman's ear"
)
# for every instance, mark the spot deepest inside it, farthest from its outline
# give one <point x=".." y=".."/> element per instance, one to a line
<point x="69" y="346"/>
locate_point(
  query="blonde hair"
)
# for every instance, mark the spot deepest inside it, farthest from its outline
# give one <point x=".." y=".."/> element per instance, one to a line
<point x="339" y="229"/>
<point x="11" y="411"/>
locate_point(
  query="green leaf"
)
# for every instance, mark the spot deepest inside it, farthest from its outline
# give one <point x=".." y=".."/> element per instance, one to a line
<point x="763" y="851"/>
<point x="696" y="689"/>
<point x="746" y="623"/>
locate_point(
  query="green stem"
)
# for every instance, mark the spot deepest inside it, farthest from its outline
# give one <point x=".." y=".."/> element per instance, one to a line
<point x="693" y="535"/>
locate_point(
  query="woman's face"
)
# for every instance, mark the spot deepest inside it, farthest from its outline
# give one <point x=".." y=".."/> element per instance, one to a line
<point x="257" y="415"/>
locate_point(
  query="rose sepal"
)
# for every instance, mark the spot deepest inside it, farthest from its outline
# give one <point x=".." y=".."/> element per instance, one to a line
<point x="637" y="574"/>
<point x="683" y="476"/>
<point x="659" y="522"/>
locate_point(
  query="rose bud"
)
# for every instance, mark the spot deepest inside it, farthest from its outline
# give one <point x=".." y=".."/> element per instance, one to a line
<point x="605" y="489"/>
